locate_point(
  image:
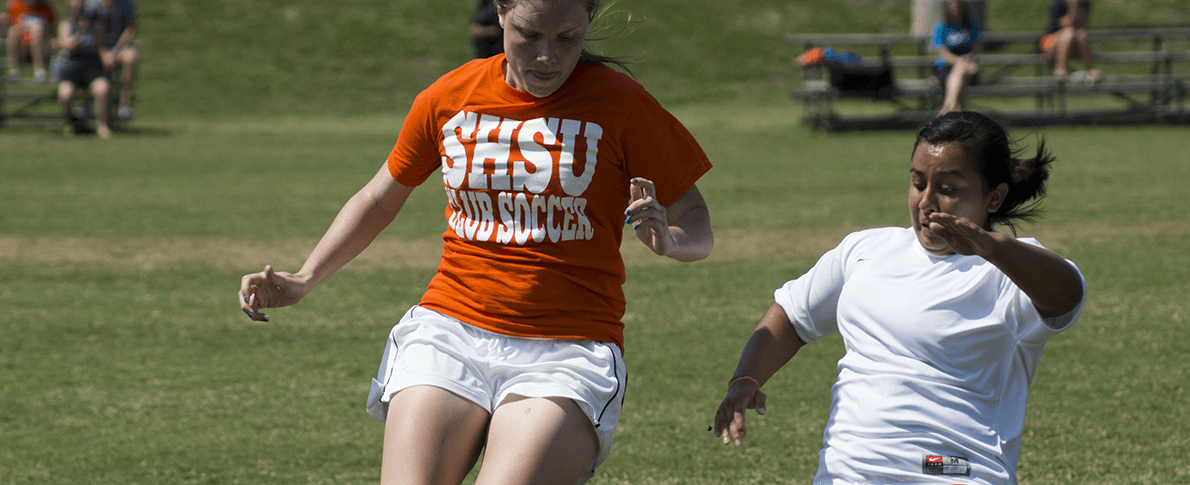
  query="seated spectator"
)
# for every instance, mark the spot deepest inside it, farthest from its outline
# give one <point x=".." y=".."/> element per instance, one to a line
<point x="1066" y="37"/>
<point x="487" y="36"/>
<point x="83" y="70"/>
<point x="956" y="37"/>
<point x="30" y="36"/>
<point x="118" y="18"/>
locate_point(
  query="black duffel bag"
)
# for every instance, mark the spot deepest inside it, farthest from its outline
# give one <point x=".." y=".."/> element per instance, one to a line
<point x="856" y="79"/>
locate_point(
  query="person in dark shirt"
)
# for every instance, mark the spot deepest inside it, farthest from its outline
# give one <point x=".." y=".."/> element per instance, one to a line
<point x="118" y="18"/>
<point x="487" y="37"/>
<point x="1066" y="37"/>
<point x="83" y="69"/>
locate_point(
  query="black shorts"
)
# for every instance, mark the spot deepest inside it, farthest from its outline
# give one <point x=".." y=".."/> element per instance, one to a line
<point x="83" y="71"/>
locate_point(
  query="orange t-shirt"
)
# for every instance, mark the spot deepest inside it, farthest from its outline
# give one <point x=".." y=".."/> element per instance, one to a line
<point x="18" y="9"/>
<point x="536" y="190"/>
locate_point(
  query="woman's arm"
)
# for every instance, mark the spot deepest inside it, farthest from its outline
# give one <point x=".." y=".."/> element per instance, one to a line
<point x="360" y="220"/>
<point x="66" y="39"/>
<point x="126" y="35"/>
<point x="948" y="56"/>
<point x="1050" y="281"/>
<point x="773" y="343"/>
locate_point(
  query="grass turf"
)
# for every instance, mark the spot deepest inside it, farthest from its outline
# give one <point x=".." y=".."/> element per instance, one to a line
<point x="123" y="358"/>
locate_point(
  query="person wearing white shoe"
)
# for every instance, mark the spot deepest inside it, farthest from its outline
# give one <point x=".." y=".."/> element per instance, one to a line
<point x="118" y="18"/>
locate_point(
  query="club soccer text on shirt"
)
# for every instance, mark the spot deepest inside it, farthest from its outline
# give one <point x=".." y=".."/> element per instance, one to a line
<point x="479" y="163"/>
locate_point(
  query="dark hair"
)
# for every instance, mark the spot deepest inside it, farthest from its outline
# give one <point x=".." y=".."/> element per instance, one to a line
<point x="995" y="160"/>
<point x="964" y="14"/>
<point x="587" y="57"/>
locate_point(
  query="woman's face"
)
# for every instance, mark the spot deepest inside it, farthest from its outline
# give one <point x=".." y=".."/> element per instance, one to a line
<point x="953" y="11"/>
<point x="542" y="43"/>
<point x="942" y="178"/>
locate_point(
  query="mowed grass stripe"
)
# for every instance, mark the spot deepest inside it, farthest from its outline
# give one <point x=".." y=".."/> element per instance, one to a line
<point x="744" y="245"/>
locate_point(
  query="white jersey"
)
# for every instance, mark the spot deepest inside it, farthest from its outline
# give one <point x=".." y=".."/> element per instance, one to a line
<point x="940" y="352"/>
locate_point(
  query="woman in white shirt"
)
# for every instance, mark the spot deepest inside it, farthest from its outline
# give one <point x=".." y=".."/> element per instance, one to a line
<point x="943" y="322"/>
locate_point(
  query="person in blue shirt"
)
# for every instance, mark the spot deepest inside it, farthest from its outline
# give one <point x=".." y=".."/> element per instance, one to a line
<point x="956" y="38"/>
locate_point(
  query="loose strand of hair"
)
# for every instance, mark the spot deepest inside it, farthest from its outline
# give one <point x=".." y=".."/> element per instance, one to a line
<point x="605" y="29"/>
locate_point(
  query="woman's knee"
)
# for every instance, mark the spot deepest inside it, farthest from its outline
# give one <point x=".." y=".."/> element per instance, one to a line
<point x="100" y="87"/>
<point x="128" y="57"/>
<point x="65" y="92"/>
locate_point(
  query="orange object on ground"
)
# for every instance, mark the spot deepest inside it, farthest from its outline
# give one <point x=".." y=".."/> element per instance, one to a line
<point x="811" y="57"/>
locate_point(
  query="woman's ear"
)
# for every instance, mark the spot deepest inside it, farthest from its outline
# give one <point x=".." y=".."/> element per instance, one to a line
<point x="996" y="198"/>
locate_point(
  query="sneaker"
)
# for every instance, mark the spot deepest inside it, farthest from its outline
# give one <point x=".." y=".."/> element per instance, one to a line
<point x="125" y="113"/>
<point x="40" y="76"/>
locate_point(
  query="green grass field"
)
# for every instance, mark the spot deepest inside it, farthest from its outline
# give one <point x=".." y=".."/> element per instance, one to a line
<point x="125" y="359"/>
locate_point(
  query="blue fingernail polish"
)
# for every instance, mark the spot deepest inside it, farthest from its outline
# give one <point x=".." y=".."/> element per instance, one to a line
<point x="245" y="298"/>
<point x="627" y="211"/>
<point x="636" y="226"/>
<point x="265" y="319"/>
<point x="246" y="312"/>
<point x="627" y="220"/>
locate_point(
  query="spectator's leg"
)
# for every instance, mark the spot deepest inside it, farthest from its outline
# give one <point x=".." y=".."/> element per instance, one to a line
<point x="39" y="47"/>
<point x="1062" y="44"/>
<point x="1081" y="48"/>
<point x="67" y="91"/>
<point x="127" y="58"/>
<point x="66" y="99"/>
<point x="14" y="49"/>
<point x="955" y="87"/>
<point x="101" y="90"/>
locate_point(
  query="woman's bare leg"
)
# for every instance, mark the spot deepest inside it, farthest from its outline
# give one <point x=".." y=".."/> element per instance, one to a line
<point x="1062" y="45"/>
<point x="956" y="86"/>
<point x="539" y="441"/>
<point x="431" y="436"/>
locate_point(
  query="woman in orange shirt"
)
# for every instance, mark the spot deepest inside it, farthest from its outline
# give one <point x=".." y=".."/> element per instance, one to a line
<point x="544" y="153"/>
<point x="30" y="36"/>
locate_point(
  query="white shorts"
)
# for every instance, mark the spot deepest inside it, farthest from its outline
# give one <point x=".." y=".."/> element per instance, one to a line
<point x="429" y="348"/>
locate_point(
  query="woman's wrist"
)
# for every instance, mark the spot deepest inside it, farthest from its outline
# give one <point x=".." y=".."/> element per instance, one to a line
<point x="743" y="378"/>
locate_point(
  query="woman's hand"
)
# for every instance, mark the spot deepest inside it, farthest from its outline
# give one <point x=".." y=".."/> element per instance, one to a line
<point x="969" y="65"/>
<point x="648" y="217"/>
<point x="962" y="235"/>
<point x="729" y="420"/>
<point x="268" y="289"/>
